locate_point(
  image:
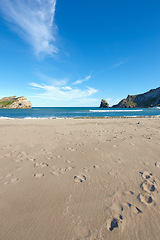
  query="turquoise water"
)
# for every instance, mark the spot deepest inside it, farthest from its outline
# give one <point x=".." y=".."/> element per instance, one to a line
<point x="71" y="112"/>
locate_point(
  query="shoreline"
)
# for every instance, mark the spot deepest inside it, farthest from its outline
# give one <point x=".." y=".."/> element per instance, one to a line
<point x="54" y="118"/>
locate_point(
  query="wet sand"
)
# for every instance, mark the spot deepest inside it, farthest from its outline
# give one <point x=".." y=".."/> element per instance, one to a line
<point x="76" y="179"/>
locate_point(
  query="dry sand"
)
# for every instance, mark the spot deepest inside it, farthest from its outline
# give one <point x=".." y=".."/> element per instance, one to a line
<point x="76" y="179"/>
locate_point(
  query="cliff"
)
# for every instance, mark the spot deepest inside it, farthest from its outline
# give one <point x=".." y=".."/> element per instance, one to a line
<point x="15" y="102"/>
<point x="104" y="104"/>
<point x="145" y="100"/>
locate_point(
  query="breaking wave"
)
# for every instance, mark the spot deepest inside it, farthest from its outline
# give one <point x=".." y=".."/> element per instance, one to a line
<point x="140" y="110"/>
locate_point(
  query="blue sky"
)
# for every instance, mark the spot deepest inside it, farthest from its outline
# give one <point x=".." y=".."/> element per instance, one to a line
<point x="74" y="53"/>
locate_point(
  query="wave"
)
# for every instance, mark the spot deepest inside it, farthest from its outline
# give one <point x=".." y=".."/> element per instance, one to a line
<point x="28" y="118"/>
<point x="34" y="118"/>
<point x="6" y="118"/>
<point x="140" y="110"/>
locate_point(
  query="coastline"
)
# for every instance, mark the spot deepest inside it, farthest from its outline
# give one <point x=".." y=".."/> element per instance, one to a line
<point x="80" y="178"/>
<point x="54" y="118"/>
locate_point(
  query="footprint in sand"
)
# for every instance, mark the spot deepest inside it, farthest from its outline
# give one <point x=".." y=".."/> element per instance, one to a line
<point x="10" y="180"/>
<point x="38" y="175"/>
<point x="66" y="169"/>
<point x="14" y="180"/>
<point x="31" y="159"/>
<point x="131" y="192"/>
<point x="89" y="169"/>
<point x="35" y="165"/>
<point x="44" y="164"/>
<point x="157" y="164"/>
<point x="114" y="222"/>
<point x="134" y="209"/>
<point x="96" y="166"/>
<point x="145" y="198"/>
<point x="146" y="175"/>
<point x="79" y="144"/>
<point x="59" y="156"/>
<point x="9" y="175"/>
<point x="148" y="186"/>
<point x="40" y="165"/>
<point x="21" y="156"/>
<point x="79" y="179"/>
<point x="56" y="172"/>
<point x="67" y="161"/>
<point x="59" y="171"/>
<point x="71" y="149"/>
<point x="86" y="169"/>
<point x="118" y="161"/>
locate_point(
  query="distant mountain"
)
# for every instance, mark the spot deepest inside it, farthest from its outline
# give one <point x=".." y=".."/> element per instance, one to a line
<point x="145" y="100"/>
<point x="15" y="102"/>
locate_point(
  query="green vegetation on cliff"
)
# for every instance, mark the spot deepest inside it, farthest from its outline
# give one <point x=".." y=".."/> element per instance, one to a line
<point x="15" y="102"/>
<point x="145" y="100"/>
<point x="6" y="103"/>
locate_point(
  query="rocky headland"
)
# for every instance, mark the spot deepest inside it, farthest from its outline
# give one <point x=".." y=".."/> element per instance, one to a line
<point x="15" y="102"/>
<point x="145" y="100"/>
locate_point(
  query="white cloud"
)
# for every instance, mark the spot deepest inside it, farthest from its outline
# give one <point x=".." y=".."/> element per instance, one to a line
<point x="60" y="93"/>
<point x="118" y="64"/>
<point x="34" y="21"/>
<point x="82" y="80"/>
<point x="67" y="88"/>
<point x="53" y="81"/>
<point x="64" y="93"/>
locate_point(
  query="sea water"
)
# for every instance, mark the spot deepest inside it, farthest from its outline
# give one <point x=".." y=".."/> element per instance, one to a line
<point x="73" y="112"/>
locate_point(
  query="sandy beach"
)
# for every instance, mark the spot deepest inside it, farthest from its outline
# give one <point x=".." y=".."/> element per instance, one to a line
<point x="76" y="179"/>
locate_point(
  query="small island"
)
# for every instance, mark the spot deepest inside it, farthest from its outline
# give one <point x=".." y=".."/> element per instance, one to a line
<point x="104" y="104"/>
<point x="15" y="102"/>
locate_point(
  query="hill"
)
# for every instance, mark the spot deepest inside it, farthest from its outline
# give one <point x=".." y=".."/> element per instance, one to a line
<point x="15" y="102"/>
<point x="145" y="100"/>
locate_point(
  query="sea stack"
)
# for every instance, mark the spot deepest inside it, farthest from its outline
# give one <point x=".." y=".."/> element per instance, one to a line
<point x="104" y="104"/>
<point x="15" y="102"/>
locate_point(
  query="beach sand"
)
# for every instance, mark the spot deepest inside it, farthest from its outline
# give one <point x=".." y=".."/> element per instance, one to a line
<point x="76" y="179"/>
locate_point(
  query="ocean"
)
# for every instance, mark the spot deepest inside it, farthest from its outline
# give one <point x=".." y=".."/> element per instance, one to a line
<point x="73" y="112"/>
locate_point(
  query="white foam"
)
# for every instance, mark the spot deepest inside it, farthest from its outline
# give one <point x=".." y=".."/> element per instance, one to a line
<point x="30" y="118"/>
<point x="137" y="110"/>
<point x="6" y="118"/>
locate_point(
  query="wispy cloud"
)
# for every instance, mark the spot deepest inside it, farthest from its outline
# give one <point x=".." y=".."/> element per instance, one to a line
<point x="33" y="20"/>
<point x="52" y="81"/>
<point x="118" y="64"/>
<point x="82" y="80"/>
<point x="62" y="93"/>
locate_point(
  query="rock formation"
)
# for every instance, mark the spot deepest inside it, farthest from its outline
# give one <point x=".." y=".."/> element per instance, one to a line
<point x="15" y="102"/>
<point x="145" y="100"/>
<point x="104" y="104"/>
